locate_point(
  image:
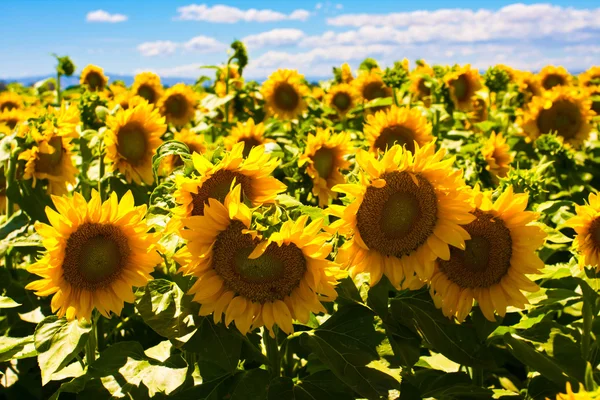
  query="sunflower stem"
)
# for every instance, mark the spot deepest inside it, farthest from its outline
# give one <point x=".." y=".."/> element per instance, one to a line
<point x="10" y="205"/>
<point x="100" y="333"/>
<point x="272" y="349"/>
<point x="227" y="92"/>
<point x="477" y="376"/>
<point x="395" y="96"/>
<point x="101" y="172"/>
<point x="58" y="93"/>
<point x="90" y="348"/>
<point x="588" y="317"/>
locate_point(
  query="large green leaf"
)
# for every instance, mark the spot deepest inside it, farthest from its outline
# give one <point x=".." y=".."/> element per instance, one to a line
<point x="168" y="149"/>
<point x="7" y="302"/>
<point x="13" y="348"/>
<point x="252" y="384"/>
<point x="447" y="386"/>
<point x="58" y="341"/>
<point x="322" y="385"/>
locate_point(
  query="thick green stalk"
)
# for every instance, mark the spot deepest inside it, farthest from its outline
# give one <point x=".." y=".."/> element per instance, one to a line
<point x="90" y="348"/>
<point x="272" y="353"/>
<point x="58" y="91"/>
<point x="101" y="172"/>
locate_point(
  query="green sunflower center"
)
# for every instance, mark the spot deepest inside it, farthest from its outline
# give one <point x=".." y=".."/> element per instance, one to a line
<point x="342" y="101"/>
<point x="395" y="134"/>
<point x="132" y="143"/>
<point x="397" y="219"/>
<point x="95" y="255"/>
<point x="486" y="258"/>
<point x="563" y="117"/>
<point x="176" y="105"/>
<point x="553" y="80"/>
<point x="461" y="87"/>
<point x="272" y="276"/>
<point x="147" y="92"/>
<point x="217" y="187"/>
<point x="94" y="81"/>
<point x="324" y="162"/>
<point x="286" y="97"/>
<point x="49" y="162"/>
<point x="374" y="90"/>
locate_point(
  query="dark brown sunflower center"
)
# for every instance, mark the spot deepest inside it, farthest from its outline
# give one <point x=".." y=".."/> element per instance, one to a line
<point x="147" y="92"/>
<point x="563" y="117"/>
<point x="399" y="217"/>
<point x="424" y="91"/>
<point x="396" y="134"/>
<point x="12" y="122"/>
<point x="286" y="97"/>
<point x="596" y="102"/>
<point x="176" y="105"/>
<point x="272" y="276"/>
<point x="594" y="232"/>
<point x="486" y="258"/>
<point x="553" y="80"/>
<point x="49" y="162"/>
<point x="342" y="101"/>
<point x="95" y="256"/>
<point x="374" y="90"/>
<point x="8" y="105"/>
<point x="461" y="87"/>
<point x="132" y="143"/>
<point x="324" y="162"/>
<point x="249" y="143"/>
<point x="94" y="81"/>
<point x="217" y="187"/>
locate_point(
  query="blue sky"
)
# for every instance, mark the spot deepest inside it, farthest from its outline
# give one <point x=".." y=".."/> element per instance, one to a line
<point x="174" y="38"/>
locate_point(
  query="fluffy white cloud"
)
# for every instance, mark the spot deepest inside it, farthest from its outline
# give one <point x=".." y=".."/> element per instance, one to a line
<point x="198" y="44"/>
<point x="274" y="38"/>
<point x="203" y="44"/>
<point x="226" y="14"/>
<point x="158" y="48"/>
<point x="103" y="16"/>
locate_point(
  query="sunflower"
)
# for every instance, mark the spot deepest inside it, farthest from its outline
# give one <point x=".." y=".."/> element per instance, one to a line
<point x="492" y="268"/>
<point x="462" y="84"/>
<point x="511" y="72"/>
<point x="497" y="155"/>
<point x="551" y="76"/>
<point x="479" y="107"/>
<point x="342" y="98"/>
<point x="50" y="158"/>
<point x="594" y="91"/>
<point x="96" y="253"/>
<point x="317" y="93"/>
<point x="123" y="99"/>
<point x="10" y="101"/>
<point x="529" y="84"/>
<point x="131" y="140"/>
<point x="178" y="104"/>
<point x="404" y="212"/>
<point x="346" y="74"/>
<point x="582" y="394"/>
<point x="61" y="121"/>
<point x="325" y="157"/>
<point x="147" y="85"/>
<point x="284" y="93"/>
<point x="93" y="78"/>
<point x="235" y="79"/>
<point x="562" y="110"/>
<point x="586" y="224"/>
<point x="369" y="85"/>
<point x="249" y="133"/>
<point x="11" y="118"/>
<point x="403" y="126"/>
<point x="418" y="80"/>
<point x="251" y="281"/>
<point x="591" y="77"/>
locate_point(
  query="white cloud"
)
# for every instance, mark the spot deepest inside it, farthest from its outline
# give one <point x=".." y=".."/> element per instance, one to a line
<point x="203" y="44"/>
<point x="226" y="14"/>
<point x="198" y="44"/>
<point x="158" y="48"/>
<point x="103" y="16"/>
<point x="274" y="38"/>
<point x="339" y="6"/>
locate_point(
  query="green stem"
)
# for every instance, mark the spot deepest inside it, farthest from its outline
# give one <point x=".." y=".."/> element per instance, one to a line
<point x="101" y="172"/>
<point x="100" y="332"/>
<point x="10" y="182"/>
<point x="272" y="353"/>
<point x="477" y="376"/>
<point x="90" y="348"/>
<point x="58" y="92"/>
<point x="226" y="93"/>
<point x="395" y="96"/>
<point x="588" y="318"/>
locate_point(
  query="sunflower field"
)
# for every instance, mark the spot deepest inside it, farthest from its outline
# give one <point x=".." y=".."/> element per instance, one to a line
<point x="409" y="232"/>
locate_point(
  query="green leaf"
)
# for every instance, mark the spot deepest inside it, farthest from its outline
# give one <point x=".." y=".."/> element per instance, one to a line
<point x="168" y="149"/>
<point x="16" y="222"/>
<point x="447" y="386"/>
<point x="252" y="384"/>
<point x="58" y="341"/>
<point x="11" y="347"/>
<point x="7" y="302"/>
<point x="380" y="102"/>
<point x="212" y="102"/>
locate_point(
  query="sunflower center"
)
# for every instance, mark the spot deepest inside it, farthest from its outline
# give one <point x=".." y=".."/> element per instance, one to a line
<point x="176" y="105"/>
<point x="48" y="162"/>
<point x="95" y="255"/>
<point x="424" y="91"/>
<point x="395" y="134"/>
<point x="342" y="101"/>
<point x="217" y="187"/>
<point x="374" y="90"/>
<point x="286" y="97"/>
<point x="131" y="142"/>
<point x="249" y="143"/>
<point x="461" y="87"/>
<point x="486" y="258"/>
<point x="12" y="122"/>
<point x="324" y="162"/>
<point x="594" y="232"/>
<point x="272" y="276"/>
<point x="553" y="80"/>
<point x="94" y="81"/>
<point x="563" y="117"/>
<point x="147" y="92"/>
<point x="399" y="217"/>
<point x="8" y="105"/>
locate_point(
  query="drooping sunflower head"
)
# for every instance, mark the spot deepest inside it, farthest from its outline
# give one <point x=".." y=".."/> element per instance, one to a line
<point x="249" y="133"/>
<point x="93" y="78"/>
<point x="193" y="140"/>
<point x="284" y="94"/>
<point x="551" y="76"/>
<point x="370" y="86"/>
<point x="497" y="155"/>
<point x="418" y="81"/>
<point x="178" y="105"/>
<point x="462" y="84"/>
<point x="325" y="158"/>
<point x="10" y="101"/>
<point x="562" y="110"/>
<point x="403" y="214"/>
<point x="147" y="85"/>
<point x="96" y="253"/>
<point x="591" y="77"/>
<point x="51" y="158"/>
<point x="131" y="140"/>
<point x="256" y="282"/>
<point x="402" y="126"/>
<point x="493" y="265"/>
<point x="342" y="97"/>
<point x="586" y="224"/>
<point x="347" y="76"/>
